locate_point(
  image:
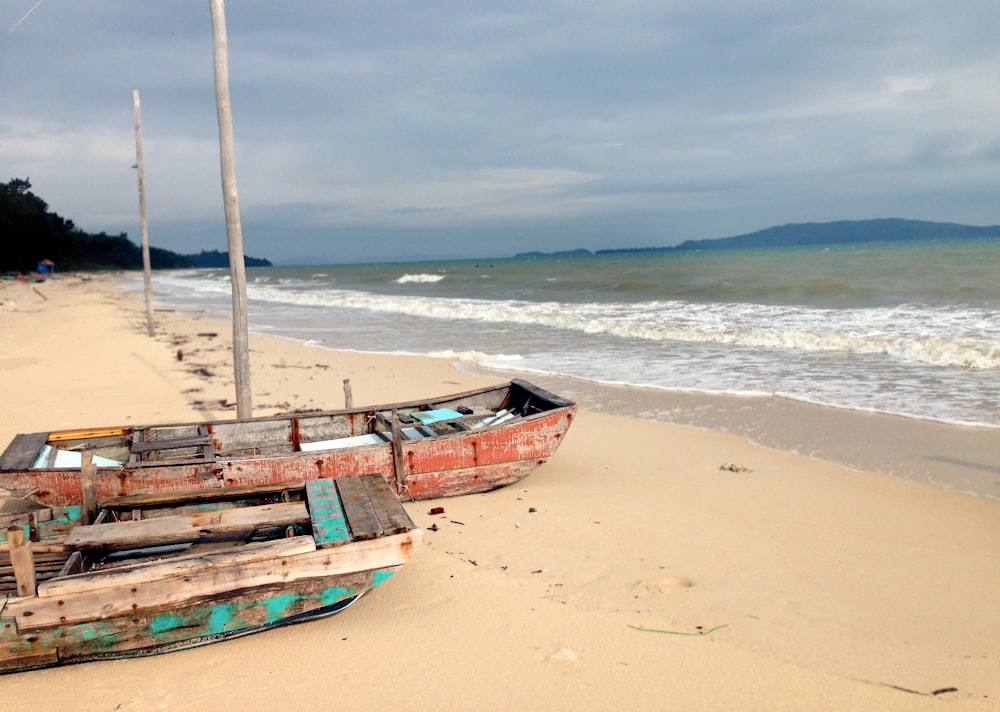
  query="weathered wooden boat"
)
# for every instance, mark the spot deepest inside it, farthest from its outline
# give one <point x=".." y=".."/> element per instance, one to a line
<point x="161" y="572"/>
<point x="458" y="444"/>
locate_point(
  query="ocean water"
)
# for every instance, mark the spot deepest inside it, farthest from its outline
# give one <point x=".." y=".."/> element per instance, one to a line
<point x="905" y="329"/>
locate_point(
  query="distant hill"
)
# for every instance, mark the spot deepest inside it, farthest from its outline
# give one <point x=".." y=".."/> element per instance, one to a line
<point x="581" y="252"/>
<point x="30" y="233"/>
<point x="833" y="233"/>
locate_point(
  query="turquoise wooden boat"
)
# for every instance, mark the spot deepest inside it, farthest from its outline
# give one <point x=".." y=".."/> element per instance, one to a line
<point x="163" y="571"/>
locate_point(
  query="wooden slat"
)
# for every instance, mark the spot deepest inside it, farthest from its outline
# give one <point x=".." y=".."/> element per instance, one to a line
<point x="24" y="660"/>
<point x="22" y="451"/>
<point x="183" y="565"/>
<point x="391" y="515"/>
<point x="155" y="499"/>
<point x="166" y="585"/>
<point x="73" y="565"/>
<point x="186" y="527"/>
<point x="22" y="562"/>
<point x="328" y="523"/>
<point x="358" y="508"/>
<point x="88" y="483"/>
<point x="208" y="450"/>
<point x="60" y="436"/>
<point x="171" y="443"/>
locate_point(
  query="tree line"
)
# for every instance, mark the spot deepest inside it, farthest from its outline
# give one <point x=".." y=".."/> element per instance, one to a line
<point x="29" y="233"/>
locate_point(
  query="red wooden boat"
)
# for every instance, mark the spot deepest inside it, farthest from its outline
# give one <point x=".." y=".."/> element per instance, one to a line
<point x="458" y="444"/>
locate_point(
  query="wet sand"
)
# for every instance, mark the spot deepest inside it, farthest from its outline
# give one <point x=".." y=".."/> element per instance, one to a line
<point x="956" y="457"/>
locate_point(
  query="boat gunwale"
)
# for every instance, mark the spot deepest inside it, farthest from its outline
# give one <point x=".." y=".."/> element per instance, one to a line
<point x="559" y="406"/>
<point x="558" y="403"/>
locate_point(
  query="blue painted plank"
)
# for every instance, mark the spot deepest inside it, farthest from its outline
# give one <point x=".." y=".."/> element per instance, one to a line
<point x="329" y="525"/>
<point x="434" y="416"/>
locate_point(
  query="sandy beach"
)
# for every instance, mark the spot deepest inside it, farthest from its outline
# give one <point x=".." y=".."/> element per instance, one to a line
<point x="647" y="566"/>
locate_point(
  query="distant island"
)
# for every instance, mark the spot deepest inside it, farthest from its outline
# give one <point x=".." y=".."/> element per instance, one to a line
<point x="802" y="234"/>
<point x="32" y="235"/>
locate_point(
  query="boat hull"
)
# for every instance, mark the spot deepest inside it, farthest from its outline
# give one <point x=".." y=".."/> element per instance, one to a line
<point x="179" y="572"/>
<point x="443" y="465"/>
<point x="140" y="634"/>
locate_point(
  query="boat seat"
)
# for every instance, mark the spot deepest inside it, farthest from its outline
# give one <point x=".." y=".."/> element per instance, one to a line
<point x="412" y="432"/>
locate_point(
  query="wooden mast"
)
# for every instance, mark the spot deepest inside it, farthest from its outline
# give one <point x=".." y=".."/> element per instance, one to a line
<point x="151" y="328"/>
<point x="234" y="230"/>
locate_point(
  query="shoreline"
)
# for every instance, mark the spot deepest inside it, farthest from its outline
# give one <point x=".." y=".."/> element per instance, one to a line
<point x="905" y="447"/>
<point x="892" y="445"/>
<point x="792" y="583"/>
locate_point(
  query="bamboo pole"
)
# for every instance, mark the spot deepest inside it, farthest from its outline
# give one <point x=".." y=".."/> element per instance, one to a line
<point x="147" y="278"/>
<point x="230" y="195"/>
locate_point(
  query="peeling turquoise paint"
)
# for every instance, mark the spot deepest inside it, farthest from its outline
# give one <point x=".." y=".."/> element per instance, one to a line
<point x="73" y="514"/>
<point x="276" y="606"/>
<point x="221" y="617"/>
<point x="164" y="622"/>
<point x="90" y="632"/>
<point x="331" y="595"/>
<point x="185" y="626"/>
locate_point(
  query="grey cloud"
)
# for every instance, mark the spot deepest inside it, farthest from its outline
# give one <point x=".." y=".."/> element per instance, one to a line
<point x="627" y="123"/>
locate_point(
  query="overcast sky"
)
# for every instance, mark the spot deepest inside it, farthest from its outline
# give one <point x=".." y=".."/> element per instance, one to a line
<point x="409" y="130"/>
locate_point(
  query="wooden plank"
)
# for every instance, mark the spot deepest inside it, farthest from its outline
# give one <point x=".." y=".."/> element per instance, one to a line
<point x="207" y="451"/>
<point x="88" y="482"/>
<point x="60" y="436"/>
<point x="73" y="565"/>
<point x="157" y="587"/>
<point x="156" y="499"/>
<point x="22" y="451"/>
<point x="328" y="523"/>
<point x="177" y="566"/>
<point x="398" y="466"/>
<point x="22" y="561"/>
<point x="49" y="547"/>
<point x="171" y="443"/>
<point x="358" y="507"/>
<point x="15" y="660"/>
<point x="391" y="515"/>
<point x="187" y="527"/>
<point x="193" y="624"/>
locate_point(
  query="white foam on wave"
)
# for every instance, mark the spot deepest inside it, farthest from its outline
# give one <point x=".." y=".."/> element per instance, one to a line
<point x="940" y="363"/>
<point x="476" y="356"/>
<point x="955" y="337"/>
<point x="419" y="278"/>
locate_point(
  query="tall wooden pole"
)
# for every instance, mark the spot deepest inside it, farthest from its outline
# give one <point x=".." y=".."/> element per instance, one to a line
<point x="234" y="231"/>
<point x="150" y="326"/>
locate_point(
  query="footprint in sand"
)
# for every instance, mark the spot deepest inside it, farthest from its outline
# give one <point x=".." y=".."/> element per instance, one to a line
<point x="662" y="585"/>
<point x="564" y="655"/>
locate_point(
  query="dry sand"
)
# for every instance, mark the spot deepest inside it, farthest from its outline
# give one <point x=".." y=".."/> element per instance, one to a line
<point x="585" y="587"/>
